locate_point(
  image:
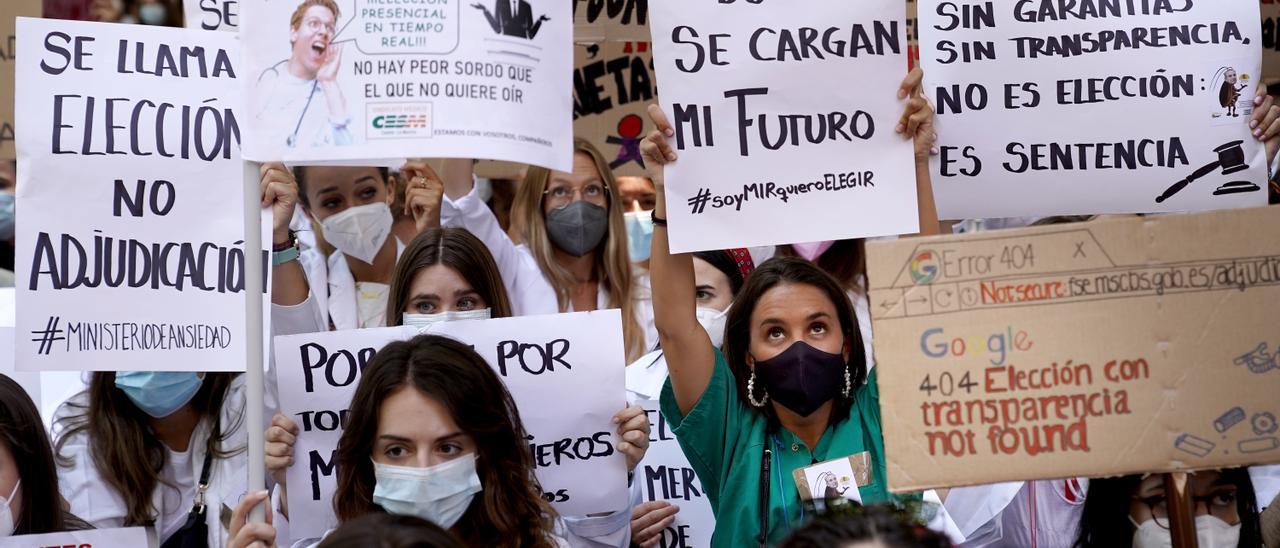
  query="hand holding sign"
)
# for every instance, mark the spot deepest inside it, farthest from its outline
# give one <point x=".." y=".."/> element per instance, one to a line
<point x="423" y="195"/>
<point x="917" y="119"/>
<point x="649" y="519"/>
<point x="633" y="428"/>
<point x="251" y="535"/>
<point x="280" y="193"/>
<point x="279" y="449"/>
<point x="1265" y="123"/>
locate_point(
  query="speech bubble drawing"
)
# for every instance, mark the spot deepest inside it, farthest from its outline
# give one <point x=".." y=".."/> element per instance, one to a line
<point x="379" y="27"/>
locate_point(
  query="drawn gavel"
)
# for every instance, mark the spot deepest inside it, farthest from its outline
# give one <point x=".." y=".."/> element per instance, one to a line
<point x="1230" y="159"/>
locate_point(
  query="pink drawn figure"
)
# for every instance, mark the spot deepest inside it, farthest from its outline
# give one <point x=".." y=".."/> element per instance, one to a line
<point x="628" y="139"/>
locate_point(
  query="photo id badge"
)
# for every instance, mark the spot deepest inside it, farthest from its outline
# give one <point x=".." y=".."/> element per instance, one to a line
<point x="839" y="478"/>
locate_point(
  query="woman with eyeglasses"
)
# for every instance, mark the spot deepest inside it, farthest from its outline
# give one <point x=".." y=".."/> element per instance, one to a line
<point x="574" y="254"/>
<point x="1133" y="511"/>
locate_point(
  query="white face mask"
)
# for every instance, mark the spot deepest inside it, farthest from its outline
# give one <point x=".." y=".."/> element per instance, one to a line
<point x="359" y="231"/>
<point x="439" y="494"/>
<point x="1211" y="532"/>
<point x="6" y="512"/>
<point x="713" y="320"/>
<point x="423" y="320"/>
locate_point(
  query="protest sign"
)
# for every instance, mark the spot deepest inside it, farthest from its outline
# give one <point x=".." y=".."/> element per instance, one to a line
<point x="89" y="538"/>
<point x="1092" y="349"/>
<point x="1270" y="41"/>
<point x="784" y="136"/>
<point x="600" y="20"/>
<point x="8" y="54"/>
<point x="1075" y="88"/>
<point x="665" y="474"/>
<point x="212" y="14"/>
<point x="130" y="253"/>
<point x="548" y="363"/>
<point x="358" y="80"/>
<point x="612" y="86"/>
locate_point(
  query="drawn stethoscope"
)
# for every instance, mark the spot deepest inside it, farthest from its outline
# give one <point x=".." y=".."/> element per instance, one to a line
<point x="274" y="70"/>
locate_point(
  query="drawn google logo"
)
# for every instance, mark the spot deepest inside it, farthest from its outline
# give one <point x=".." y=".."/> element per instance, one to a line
<point x="924" y="267"/>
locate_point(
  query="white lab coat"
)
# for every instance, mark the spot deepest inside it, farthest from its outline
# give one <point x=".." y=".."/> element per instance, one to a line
<point x="95" y="501"/>
<point x="1044" y="513"/>
<point x="530" y="291"/>
<point x="334" y="306"/>
<point x="611" y="531"/>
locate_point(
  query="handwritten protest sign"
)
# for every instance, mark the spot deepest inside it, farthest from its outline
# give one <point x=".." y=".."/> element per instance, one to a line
<point x="600" y="20"/>
<point x="612" y="86"/>
<point x="1091" y="349"/>
<point x="212" y="14"/>
<point x="132" y="536"/>
<point x="665" y="474"/>
<point x="130" y="251"/>
<point x="8" y="54"/>
<point x="1102" y="107"/>
<point x="1270" y="41"/>
<point x="359" y="80"/>
<point x="784" y="120"/>
<point x="549" y="364"/>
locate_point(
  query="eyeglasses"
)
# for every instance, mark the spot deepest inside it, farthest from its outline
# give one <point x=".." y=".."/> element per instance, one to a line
<point x="1221" y="504"/>
<point x="560" y="195"/>
<point x="314" y="24"/>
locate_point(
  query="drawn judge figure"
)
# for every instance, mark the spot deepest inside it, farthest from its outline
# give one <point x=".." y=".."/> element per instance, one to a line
<point x="300" y="102"/>
<point x="513" y="18"/>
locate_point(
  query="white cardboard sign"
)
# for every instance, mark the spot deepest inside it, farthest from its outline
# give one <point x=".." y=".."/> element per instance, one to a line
<point x="565" y="373"/>
<point x="130" y="251"/>
<point x="377" y="80"/>
<point x="1070" y="108"/>
<point x="784" y="121"/>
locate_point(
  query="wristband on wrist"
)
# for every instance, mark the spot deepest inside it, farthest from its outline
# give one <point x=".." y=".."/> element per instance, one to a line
<point x="290" y="241"/>
<point x="281" y="257"/>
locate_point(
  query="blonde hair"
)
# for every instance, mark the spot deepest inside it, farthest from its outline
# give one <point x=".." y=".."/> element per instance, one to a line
<point x="612" y="263"/>
<point x="295" y="20"/>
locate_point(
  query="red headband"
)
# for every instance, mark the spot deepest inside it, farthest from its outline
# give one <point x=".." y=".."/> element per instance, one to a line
<point x="742" y="258"/>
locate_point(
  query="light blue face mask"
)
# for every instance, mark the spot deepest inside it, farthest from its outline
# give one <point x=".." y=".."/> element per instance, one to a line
<point x="639" y="234"/>
<point x="424" y="320"/>
<point x="159" y="393"/>
<point x="439" y="494"/>
<point x="7" y="218"/>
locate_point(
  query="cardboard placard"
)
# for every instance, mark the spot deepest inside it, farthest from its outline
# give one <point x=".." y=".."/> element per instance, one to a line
<point x="778" y="142"/>
<point x="89" y="538"/>
<point x="1089" y="349"/>
<point x="550" y="364"/>
<point x="613" y="84"/>
<point x="1073" y="88"/>
<point x="130" y="248"/>
<point x="449" y="79"/>
<point x="212" y="14"/>
<point x="8" y="54"/>
<point x="600" y="20"/>
<point x="665" y="474"/>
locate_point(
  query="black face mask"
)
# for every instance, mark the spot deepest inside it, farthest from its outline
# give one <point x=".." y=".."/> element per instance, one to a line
<point x="802" y="378"/>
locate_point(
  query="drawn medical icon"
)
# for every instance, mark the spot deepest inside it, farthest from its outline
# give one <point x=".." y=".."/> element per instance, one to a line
<point x="1229" y="419"/>
<point x="1190" y="444"/>
<point x="1258" y="360"/>
<point x="1264" y="423"/>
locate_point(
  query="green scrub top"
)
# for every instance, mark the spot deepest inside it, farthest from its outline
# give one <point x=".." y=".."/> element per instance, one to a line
<point x="724" y="441"/>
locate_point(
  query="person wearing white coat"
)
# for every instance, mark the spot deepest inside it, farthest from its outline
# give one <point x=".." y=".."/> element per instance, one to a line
<point x="348" y="290"/>
<point x="88" y="489"/>
<point x="574" y="254"/>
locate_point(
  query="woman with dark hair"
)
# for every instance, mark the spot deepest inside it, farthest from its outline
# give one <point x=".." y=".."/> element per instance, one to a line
<point x="144" y="448"/>
<point x="446" y="274"/>
<point x="1133" y="511"/>
<point x="574" y="255"/>
<point x="432" y="432"/>
<point x="29" y="500"/>
<point x="791" y="387"/>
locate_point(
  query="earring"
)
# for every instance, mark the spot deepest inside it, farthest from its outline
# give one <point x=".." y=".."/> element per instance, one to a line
<point x="848" y="386"/>
<point x="751" y="392"/>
